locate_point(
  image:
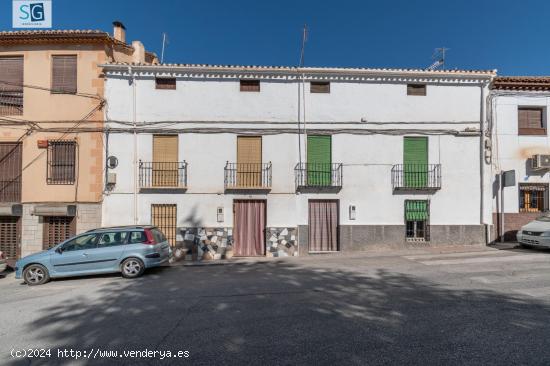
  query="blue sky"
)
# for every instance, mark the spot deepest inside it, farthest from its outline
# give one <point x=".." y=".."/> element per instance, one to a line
<point x="509" y="35"/>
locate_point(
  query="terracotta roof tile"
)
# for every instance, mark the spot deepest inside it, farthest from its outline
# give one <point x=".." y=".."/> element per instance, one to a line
<point x="532" y="83"/>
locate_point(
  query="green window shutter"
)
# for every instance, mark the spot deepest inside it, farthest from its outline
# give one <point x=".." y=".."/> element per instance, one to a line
<point x="415" y="161"/>
<point x="416" y="210"/>
<point x="319" y="160"/>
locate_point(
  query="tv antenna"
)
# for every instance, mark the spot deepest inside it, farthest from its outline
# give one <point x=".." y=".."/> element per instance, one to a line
<point x="439" y="57"/>
<point x="164" y="42"/>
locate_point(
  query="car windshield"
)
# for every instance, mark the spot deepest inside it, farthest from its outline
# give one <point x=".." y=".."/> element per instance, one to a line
<point x="545" y="217"/>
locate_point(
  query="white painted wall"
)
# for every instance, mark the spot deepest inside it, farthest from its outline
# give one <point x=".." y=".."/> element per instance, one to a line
<point x="512" y="151"/>
<point x="367" y="159"/>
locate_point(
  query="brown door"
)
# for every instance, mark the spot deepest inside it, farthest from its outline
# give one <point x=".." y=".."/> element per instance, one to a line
<point x="323" y="225"/>
<point x="165" y="160"/>
<point x="249" y="161"/>
<point x="166" y="219"/>
<point x="249" y="227"/>
<point x="57" y="229"/>
<point x="10" y="172"/>
<point x="9" y="236"/>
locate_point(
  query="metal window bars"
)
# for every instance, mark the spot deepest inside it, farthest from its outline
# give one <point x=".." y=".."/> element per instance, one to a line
<point x="61" y="167"/>
<point x="163" y="174"/>
<point x="247" y="175"/>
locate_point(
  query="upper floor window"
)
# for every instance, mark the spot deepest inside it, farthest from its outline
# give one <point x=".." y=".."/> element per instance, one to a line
<point x="61" y="162"/>
<point x="11" y="86"/>
<point x="250" y="85"/>
<point x="416" y="89"/>
<point x="531" y="121"/>
<point x="64" y="74"/>
<point x="165" y="83"/>
<point x="319" y="87"/>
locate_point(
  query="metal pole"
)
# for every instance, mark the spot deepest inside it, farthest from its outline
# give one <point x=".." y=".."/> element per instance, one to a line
<point x="502" y="207"/>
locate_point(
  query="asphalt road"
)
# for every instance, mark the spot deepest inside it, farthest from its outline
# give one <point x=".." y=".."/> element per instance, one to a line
<point x="473" y="307"/>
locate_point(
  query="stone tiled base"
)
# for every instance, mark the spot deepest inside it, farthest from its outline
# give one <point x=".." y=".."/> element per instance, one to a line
<point x="282" y="242"/>
<point x="199" y="240"/>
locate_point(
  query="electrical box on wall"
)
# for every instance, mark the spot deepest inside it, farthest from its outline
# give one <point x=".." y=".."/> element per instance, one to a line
<point x="219" y="212"/>
<point x="352" y="212"/>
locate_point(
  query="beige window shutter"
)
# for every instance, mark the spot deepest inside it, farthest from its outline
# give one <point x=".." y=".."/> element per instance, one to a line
<point x="165" y="148"/>
<point x="64" y="74"/>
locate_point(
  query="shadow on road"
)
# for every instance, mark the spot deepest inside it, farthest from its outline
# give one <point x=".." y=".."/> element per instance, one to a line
<point x="287" y="313"/>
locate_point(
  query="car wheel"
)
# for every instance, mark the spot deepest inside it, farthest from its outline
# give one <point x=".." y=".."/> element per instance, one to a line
<point x="36" y="274"/>
<point x="132" y="268"/>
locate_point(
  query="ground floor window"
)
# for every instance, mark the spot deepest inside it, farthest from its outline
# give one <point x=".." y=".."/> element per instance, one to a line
<point x="417" y="223"/>
<point x="57" y="229"/>
<point x="533" y="197"/>
<point x="9" y="236"/>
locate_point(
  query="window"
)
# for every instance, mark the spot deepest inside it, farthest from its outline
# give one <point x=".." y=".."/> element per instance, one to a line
<point x="88" y="241"/>
<point x="137" y="237"/>
<point x="416" y="89"/>
<point x="417" y="214"/>
<point x="64" y="74"/>
<point x="531" y="121"/>
<point x="165" y="83"/>
<point x="61" y="161"/>
<point x="533" y="197"/>
<point x="10" y="171"/>
<point x="250" y="85"/>
<point x="112" y="239"/>
<point x="319" y="87"/>
<point x="57" y="229"/>
<point x="319" y="160"/>
<point x="11" y="86"/>
<point x="159" y="236"/>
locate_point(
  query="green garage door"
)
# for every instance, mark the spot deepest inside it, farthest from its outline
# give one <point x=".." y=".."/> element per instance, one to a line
<point x="319" y="160"/>
<point x="415" y="162"/>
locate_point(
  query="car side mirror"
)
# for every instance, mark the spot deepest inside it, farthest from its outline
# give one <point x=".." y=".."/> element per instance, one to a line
<point x="59" y="250"/>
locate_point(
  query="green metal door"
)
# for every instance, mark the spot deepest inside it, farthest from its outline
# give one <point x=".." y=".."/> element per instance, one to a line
<point x="319" y="160"/>
<point x="415" y="162"/>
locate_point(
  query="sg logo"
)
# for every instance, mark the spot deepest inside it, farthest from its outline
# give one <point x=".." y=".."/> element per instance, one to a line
<point x="33" y="11"/>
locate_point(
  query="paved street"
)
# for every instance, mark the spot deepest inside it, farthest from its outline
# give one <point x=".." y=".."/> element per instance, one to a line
<point x="477" y="305"/>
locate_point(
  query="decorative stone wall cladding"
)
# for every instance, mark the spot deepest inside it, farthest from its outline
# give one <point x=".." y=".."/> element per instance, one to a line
<point x="281" y="242"/>
<point x="199" y="240"/>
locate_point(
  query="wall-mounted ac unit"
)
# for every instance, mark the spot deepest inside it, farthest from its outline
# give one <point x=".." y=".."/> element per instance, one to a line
<point x="540" y="161"/>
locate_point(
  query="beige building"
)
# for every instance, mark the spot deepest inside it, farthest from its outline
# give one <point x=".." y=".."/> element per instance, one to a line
<point x="51" y="141"/>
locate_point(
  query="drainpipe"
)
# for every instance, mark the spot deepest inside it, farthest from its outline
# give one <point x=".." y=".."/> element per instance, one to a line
<point x="482" y="162"/>
<point x="135" y="143"/>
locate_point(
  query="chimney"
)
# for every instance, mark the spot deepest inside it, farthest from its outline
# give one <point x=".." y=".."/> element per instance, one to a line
<point x="138" y="56"/>
<point x="119" y="31"/>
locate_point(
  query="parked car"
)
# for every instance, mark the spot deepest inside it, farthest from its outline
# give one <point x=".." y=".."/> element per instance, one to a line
<point x="536" y="233"/>
<point x="126" y="249"/>
<point x="3" y="262"/>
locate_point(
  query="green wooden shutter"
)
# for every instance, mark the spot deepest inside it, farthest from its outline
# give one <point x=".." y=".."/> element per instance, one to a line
<point x="319" y="160"/>
<point x="415" y="161"/>
<point x="416" y="210"/>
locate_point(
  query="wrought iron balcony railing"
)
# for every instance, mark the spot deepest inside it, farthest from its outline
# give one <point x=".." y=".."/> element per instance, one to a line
<point x="163" y="175"/>
<point x="416" y="176"/>
<point x="247" y="175"/>
<point x="328" y="175"/>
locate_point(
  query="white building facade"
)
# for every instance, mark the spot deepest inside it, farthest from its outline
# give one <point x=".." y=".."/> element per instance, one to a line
<point x="519" y="109"/>
<point x="279" y="161"/>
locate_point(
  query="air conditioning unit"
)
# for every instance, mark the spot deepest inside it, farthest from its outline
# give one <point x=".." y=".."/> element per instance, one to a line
<point x="540" y="161"/>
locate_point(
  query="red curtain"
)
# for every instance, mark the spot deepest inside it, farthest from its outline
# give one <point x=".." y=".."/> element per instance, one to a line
<point x="323" y="226"/>
<point x="249" y="228"/>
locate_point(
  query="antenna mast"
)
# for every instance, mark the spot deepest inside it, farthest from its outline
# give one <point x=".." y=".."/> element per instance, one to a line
<point x="164" y="41"/>
<point x="439" y="57"/>
<point x="301" y="98"/>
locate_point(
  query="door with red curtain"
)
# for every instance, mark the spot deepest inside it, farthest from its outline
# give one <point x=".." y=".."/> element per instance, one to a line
<point x="249" y="227"/>
<point x="323" y="226"/>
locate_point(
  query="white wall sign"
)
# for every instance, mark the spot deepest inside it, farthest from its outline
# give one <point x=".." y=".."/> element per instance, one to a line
<point x="32" y="14"/>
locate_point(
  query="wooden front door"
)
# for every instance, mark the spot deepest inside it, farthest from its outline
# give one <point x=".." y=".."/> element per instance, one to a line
<point x="9" y="236"/>
<point x="165" y="217"/>
<point x="249" y="218"/>
<point x="323" y="225"/>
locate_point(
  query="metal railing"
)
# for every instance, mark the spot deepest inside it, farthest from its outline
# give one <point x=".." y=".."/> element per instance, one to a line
<point x="318" y="175"/>
<point x="163" y="174"/>
<point x="247" y="175"/>
<point x="416" y="176"/>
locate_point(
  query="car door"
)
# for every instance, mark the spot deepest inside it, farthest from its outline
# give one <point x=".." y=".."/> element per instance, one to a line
<point x="74" y="256"/>
<point x="109" y="250"/>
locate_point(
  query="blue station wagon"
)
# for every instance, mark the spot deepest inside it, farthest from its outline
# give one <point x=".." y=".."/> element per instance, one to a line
<point x="126" y="249"/>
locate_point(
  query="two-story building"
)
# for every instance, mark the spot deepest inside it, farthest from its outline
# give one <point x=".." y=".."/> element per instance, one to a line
<point x="51" y="132"/>
<point x="519" y="108"/>
<point x="278" y="161"/>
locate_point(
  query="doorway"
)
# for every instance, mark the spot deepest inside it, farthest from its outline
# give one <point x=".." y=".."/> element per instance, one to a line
<point x="249" y="218"/>
<point x="323" y="226"/>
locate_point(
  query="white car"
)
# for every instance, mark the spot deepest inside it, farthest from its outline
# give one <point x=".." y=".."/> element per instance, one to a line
<point x="3" y="262"/>
<point x="536" y="233"/>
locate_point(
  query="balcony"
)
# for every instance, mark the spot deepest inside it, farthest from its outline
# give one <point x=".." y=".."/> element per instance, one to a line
<point x="247" y="176"/>
<point x="416" y="177"/>
<point x="318" y="176"/>
<point x="162" y="176"/>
